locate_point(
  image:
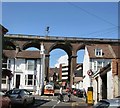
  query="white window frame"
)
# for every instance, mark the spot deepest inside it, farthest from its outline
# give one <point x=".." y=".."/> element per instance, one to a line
<point x="4" y="78"/>
<point x="98" y="52"/>
<point x="97" y="66"/>
<point x="27" y="80"/>
<point x="8" y="64"/>
<point x="27" y="65"/>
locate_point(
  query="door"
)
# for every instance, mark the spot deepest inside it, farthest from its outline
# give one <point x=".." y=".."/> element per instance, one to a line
<point x="17" y="81"/>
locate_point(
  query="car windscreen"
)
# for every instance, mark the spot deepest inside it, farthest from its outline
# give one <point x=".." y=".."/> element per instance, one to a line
<point x="13" y="92"/>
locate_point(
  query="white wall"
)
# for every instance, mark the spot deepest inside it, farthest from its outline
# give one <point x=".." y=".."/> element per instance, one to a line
<point x="86" y="67"/>
<point x="95" y="91"/>
<point x="18" y="67"/>
<point x="110" y="87"/>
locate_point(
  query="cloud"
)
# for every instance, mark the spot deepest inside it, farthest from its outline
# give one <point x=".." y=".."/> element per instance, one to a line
<point x="61" y="60"/>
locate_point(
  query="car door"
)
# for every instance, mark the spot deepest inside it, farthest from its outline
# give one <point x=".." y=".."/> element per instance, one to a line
<point x="26" y="96"/>
<point x="29" y="96"/>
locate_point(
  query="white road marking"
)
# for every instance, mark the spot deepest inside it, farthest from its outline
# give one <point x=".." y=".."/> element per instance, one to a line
<point x="56" y="104"/>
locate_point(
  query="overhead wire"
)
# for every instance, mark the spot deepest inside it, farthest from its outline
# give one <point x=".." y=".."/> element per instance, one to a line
<point x="98" y="17"/>
<point x="101" y="31"/>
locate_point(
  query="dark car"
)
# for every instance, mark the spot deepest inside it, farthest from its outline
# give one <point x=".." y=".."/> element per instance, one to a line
<point x="108" y="103"/>
<point x="5" y="101"/>
<point x="20" y="96"/>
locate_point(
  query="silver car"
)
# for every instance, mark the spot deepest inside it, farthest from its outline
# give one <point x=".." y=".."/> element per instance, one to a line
<point x="20" y="96"/>
<point x="108" y="103"/>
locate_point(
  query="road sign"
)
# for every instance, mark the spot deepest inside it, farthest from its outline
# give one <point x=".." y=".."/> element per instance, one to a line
<point x="89" y="72"/>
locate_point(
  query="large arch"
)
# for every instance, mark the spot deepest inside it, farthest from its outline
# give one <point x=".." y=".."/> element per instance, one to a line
<point x="65" y="47"/>
<point x="9" y="45"/>
<point x="31" y="44"/>
<point x="68" y="49"/>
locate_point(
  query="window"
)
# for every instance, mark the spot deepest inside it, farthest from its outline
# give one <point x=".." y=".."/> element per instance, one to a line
<point x="3" y="79"/>
<point x="98" y="65"/>
<point x="30" y="64"/>
<point x="9" y="64"/>
<point x="98" y="52"/>
<point x="30" y="79"/>
<point x="19" y="64"/>
<point x="95" y="65"/>
<point x="4" y="64"/>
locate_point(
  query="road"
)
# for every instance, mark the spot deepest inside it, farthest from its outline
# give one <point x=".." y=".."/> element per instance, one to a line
<point x="53" y="102"/>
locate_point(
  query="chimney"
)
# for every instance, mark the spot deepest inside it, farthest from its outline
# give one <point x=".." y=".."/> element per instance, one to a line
<point x="17" y="49"/>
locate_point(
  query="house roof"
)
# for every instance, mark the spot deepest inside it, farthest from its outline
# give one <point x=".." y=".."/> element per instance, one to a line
<point x="9" y="53"/>
<point x="4" y="30"/>
<point x="116" y="50"/>
<point x="109" y="51"/>
<point x="22" y="54"/>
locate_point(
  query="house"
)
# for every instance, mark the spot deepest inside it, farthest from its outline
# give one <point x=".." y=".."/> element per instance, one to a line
<point x="53" y="74"/>
<point x="100" y="61"/>
<point x="27" y="68"/>
<point x="4" y="72"/>
<point x="78" y="76"/>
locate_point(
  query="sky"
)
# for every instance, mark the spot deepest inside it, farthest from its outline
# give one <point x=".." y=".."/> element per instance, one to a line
<point x="65" y="19"/>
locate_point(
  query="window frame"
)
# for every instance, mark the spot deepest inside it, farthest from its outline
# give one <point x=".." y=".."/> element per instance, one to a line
<point x="33" y="79"/>
<point x="30" y="65"/>
<point x="98" y="52"/>
<point x="4" y="79"/>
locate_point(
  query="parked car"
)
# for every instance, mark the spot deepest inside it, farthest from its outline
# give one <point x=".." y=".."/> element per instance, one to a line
<point x="20" y="96"/>
<point x="5" y="101"/>
<point x="108" y="103"/>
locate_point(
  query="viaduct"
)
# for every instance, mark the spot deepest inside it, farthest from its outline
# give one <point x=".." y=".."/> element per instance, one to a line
<point x="69" y="44"/>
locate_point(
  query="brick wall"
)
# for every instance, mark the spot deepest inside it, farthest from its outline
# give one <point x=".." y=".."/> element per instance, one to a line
<point x="116" y="67"/>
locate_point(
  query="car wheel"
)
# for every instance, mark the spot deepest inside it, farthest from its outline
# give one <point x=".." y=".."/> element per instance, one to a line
<point x="24" y="103"/>
<point x="10" y="105"/>
<point x="33" y="101"/>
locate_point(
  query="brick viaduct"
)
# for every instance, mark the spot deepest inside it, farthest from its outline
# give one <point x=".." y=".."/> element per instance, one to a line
<point x="69" y="44"/>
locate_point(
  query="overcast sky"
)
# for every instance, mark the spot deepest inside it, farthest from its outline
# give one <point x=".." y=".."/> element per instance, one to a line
<point x="65" y="19"/>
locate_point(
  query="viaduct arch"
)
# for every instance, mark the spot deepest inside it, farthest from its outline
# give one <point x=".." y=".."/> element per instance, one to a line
<point x="69" y="44"/>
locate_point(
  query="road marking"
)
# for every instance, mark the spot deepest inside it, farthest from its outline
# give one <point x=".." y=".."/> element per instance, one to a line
<point x="56" y="104"/>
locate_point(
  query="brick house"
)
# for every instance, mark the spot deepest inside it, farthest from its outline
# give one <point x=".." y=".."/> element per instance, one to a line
<point x="78" y="76"/>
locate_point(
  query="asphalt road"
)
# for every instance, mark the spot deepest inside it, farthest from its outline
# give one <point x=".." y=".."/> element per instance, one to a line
<point x="53" y="102"/>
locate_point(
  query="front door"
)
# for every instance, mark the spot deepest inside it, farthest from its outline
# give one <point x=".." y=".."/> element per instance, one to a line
<point x="17" y="81"/>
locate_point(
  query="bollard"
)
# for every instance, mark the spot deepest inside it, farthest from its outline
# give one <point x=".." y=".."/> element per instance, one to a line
<point x="90" y="96"/>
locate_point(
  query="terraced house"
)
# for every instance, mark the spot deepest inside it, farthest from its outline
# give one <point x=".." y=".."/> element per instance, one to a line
<point x="104" y="63"/>
<point x="27" y="68"/>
